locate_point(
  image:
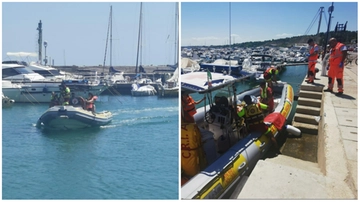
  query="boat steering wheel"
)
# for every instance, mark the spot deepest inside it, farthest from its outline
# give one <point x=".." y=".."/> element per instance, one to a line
<point x="209" y="117"/>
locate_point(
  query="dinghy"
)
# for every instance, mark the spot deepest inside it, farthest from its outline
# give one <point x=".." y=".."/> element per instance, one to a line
<point x="217" y="151"/>
<point x="73" y="117"/>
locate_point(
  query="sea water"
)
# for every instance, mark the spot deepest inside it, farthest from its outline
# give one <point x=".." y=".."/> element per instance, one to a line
<point x="134" y="157"/>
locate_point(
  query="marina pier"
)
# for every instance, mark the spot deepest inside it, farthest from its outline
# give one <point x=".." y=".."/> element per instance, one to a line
<point x="322" y="163"/>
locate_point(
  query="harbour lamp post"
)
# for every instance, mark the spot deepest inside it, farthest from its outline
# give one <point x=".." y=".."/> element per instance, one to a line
<point x="45" y="45"/>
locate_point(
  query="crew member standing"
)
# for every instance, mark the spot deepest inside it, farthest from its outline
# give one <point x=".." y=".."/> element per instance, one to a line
<point x="266" y="96"/>
<point x="338" y="54"/>
<point x="65" y="93"/>
<point x="270" y="75"/>
<point x="188" y="107"/>
<point x="313" y="56"/>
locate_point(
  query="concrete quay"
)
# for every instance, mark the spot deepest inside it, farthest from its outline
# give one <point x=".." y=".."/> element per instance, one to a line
<point x="322" y="163"/>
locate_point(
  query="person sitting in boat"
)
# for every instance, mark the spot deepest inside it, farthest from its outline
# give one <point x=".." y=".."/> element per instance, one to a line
<point x="270" y="75"/>
<point x="90" y="106"/>
<point x="266" y="96"/>
<point x="254" y="118"/>
<point x="65" y="93"/>
<point x="72" y="99"/>
<point x="188" y="107"/>
<point x="54" y="99"/>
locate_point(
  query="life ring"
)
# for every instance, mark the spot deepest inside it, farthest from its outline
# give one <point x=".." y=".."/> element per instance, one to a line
<point x="75" y="101"/>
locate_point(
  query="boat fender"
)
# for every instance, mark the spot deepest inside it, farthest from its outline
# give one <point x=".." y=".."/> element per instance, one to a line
<point x="293" y="130"/>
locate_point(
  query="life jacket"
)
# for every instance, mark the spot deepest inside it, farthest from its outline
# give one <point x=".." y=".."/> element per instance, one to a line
<point x="336" y="55"/>
<point x="90" y="104"/>
<point x="189" y="105"/>
<point x="269" y="72"/>
<point x="66" y="92"/>
<point x="265" y="93"/>
<point x="54" y="97"/>
<point x="253" y="114"/>
<point x="313" y="58"/>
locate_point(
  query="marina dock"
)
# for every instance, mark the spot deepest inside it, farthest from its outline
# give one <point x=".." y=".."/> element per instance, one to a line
<point x="322" y="163"/>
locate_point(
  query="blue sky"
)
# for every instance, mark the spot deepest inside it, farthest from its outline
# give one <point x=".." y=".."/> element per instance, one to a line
<point x="204" y="23"/>
<point x="76" y="32"/>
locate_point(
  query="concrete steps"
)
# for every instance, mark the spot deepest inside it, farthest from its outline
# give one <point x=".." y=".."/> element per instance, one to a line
<point x="306" y="128"/>
<point x="305" y="118"/>
<point x="311" y="102"/>
<point x="310" y="94"/>
<point x="308" y="108"/>
<point x="301" y="109"/>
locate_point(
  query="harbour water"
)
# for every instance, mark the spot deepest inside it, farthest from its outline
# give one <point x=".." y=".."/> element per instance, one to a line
<point x="135" y="157"/>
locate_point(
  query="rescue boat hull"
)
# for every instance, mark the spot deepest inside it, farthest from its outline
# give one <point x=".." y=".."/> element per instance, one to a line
<point x="72" y="117"/>
<point x="216" y="179"/>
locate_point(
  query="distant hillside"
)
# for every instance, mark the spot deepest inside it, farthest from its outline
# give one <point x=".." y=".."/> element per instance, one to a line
<point x="347" y="37"/>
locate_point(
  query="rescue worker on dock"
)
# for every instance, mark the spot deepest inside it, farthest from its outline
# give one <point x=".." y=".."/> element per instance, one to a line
<point x="312" y="60"/>
<point x="338" y="54"/>
<point x="254" y="118"/>
<point x="188" y="106"/>
<point x="90" y="106"/>
<point x="270" y="75"/>
<point x="266" y="96"/>
<point x="65" y="93"/>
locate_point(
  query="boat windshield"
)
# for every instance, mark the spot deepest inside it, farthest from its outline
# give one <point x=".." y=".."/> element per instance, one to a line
<point x="23" y="70"/>
<point x="47" y="73"/>
<point x="7" y="72"/>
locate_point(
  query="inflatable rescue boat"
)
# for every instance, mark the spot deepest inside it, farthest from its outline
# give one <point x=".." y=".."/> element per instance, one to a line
<point x="217" y="151"/>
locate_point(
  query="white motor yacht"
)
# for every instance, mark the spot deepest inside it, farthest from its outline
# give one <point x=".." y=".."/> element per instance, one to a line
<point x="36" y="88"/>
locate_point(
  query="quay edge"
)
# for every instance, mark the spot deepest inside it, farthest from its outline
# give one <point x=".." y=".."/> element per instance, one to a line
<point x="334" y="175"/>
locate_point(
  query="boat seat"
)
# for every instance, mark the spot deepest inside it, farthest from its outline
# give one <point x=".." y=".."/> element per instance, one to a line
<point x="220" y="111"/>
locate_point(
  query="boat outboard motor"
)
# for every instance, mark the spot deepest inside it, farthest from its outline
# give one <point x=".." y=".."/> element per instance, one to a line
<point x="293" y="130"/>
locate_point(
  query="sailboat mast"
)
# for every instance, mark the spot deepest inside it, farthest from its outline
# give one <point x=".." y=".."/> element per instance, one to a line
<point x="139" y="40"/>
<point x="107" y="37"/>
<point x="176" y="33"/>
<point x="110" y="36"/>
<point x="40" y="41"/>
<point x="230" y="37"/>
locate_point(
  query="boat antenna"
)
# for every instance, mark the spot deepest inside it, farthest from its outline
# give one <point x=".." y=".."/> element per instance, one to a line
<point x="39" y="28"/>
